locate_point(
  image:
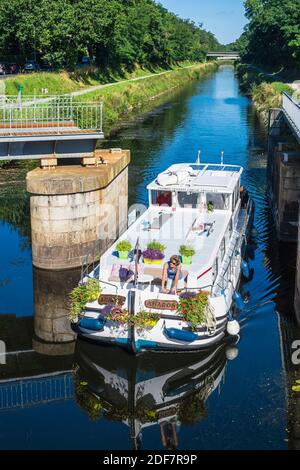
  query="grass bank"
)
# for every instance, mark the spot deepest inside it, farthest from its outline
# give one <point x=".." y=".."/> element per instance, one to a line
<point x="58" y="83"/>
<point x="123" y="101"/>
<point x="265" y="89"/>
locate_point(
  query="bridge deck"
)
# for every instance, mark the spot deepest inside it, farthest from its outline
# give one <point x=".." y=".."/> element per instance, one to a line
<point x="33" y="129"/>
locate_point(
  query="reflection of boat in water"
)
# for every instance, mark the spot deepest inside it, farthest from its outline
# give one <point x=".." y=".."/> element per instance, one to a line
<point x="195" y="204"/>
<point x="148" y="389"/>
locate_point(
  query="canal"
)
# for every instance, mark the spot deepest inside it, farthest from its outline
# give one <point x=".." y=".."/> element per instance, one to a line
<point x="87" y="397"/>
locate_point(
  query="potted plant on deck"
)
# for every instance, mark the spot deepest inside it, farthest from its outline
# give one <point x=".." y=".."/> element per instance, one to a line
<point x="123" y="248"/>
<point x="187" y="253"/>
<point x="119" y="315"/>
<point x="154" y="253"/>
<point x="145" y="320"/>
<point x="210" y="206"/>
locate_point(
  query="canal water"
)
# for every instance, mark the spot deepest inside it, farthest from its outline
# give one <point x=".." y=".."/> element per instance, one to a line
<point x="235" y="397"/>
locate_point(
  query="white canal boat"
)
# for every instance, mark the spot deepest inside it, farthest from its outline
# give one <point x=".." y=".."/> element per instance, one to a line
<point x="196" y="205"/>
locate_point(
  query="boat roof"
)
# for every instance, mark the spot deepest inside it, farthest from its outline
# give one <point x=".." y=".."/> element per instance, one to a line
<point x="201" y="178"/>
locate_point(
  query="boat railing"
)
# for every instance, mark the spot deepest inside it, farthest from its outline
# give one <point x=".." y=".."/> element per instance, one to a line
<point x="224" y="281"/>
<point x="109" y="284"/>
<point x="89" y="262"/>
<point x="187" y="289"/>
<point x="237" y="246"/>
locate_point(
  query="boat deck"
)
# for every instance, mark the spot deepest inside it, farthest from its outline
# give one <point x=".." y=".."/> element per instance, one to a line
<point x="173" y="229"/>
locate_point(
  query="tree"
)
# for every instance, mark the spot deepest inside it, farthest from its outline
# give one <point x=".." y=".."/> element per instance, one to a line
<point x="116" y="33"/>
<point x="272" y="37"/>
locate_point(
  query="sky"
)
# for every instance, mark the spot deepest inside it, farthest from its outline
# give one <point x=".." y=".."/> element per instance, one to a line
<point x="224" y="18"/>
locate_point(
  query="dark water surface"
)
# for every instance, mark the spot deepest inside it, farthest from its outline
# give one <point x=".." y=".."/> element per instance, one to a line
<point x="86" y="400"/>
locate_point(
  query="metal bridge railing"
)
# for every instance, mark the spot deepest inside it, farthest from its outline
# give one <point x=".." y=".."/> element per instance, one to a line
<point x="28" y="100"/>
<point x="291" y="109"/>
<point x="56" y="116"/>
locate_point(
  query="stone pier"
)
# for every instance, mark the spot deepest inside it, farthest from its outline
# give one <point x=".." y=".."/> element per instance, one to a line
<point x="284" y="178"/>
<point x="284" y="168"/>
<point x="78" y="210"/>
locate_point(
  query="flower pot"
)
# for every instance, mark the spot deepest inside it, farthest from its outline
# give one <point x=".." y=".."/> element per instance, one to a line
<point x="186" y="259"/>
<point x="123" y="254"/>
<point x="152" y="261"/>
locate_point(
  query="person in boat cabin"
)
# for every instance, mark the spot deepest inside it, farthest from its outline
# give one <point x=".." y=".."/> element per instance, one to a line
<point x="164" y="198"/>
<point x="172" y="277"/>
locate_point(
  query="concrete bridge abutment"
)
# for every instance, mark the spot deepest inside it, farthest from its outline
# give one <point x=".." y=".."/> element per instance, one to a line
<point x="77" y="210"/>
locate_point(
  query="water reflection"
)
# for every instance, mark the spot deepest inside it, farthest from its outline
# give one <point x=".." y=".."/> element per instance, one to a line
<point x="54" y="335"/>
<point x="154" y="389"/>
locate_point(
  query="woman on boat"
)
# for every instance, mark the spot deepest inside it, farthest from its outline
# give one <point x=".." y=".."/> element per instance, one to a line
<point x="172" y="277"/>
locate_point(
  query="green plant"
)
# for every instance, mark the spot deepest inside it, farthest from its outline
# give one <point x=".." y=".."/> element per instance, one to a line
<point x="124" y="246"/>
<point x="145" y="413"/>
<point x="81" y="295"/>
<point x="192" y="306"/>
<point x="210" y="206"/>
<point x="156" y="246"/>
<point x="187" y="251"/>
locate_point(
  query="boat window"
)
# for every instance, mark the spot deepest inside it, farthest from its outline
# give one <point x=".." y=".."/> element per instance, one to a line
<point x="219" y="201"/>
<point x="188" y="200"/>
<point x="161" y="198"/>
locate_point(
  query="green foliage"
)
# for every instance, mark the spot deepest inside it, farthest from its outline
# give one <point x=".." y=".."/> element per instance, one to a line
<point x="280" y="87"/>
<point x="193" y="307"/>
<point x="156" y="246"/>
<point x="111" y="32"/>
<point x="210" y="206"/>
<point x="145" y="319"/>
<point x="81" y="295"/>
<point x="264" y="88"/>
<point x="124" y="246"/>
<point x="187" y="251"/>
